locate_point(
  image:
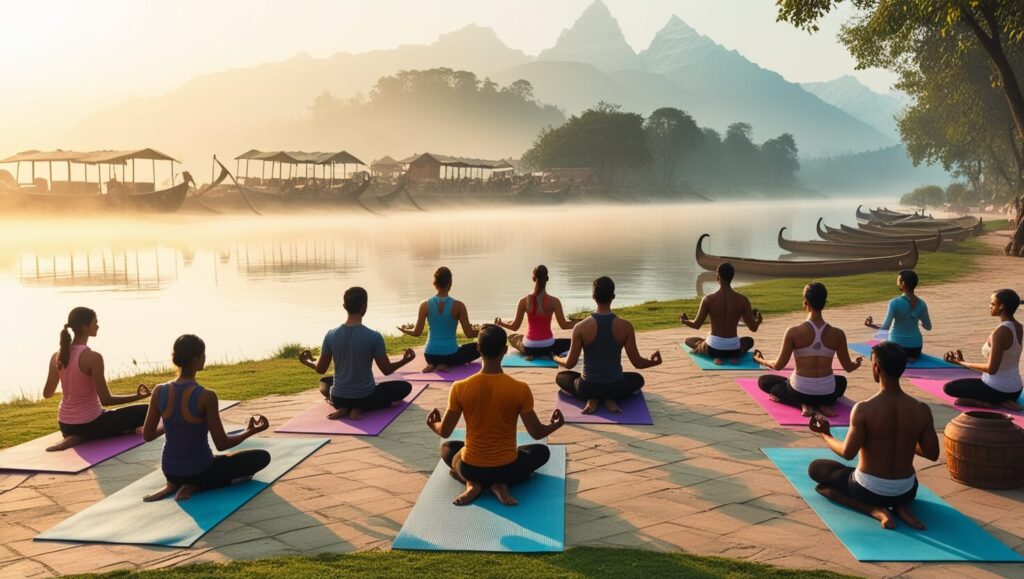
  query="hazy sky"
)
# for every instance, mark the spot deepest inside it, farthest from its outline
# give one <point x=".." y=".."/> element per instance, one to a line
<point x="70" y="56"/>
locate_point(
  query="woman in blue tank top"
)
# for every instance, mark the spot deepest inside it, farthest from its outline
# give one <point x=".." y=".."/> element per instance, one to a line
<point x="190" y="414"/>
<point x="905" y="317"/>
<point x="443" y="315"/>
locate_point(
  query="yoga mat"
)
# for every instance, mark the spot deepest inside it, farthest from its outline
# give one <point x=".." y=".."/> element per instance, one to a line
<point x="788" y="415"/>
<point x="950" y="536"/>
<point x="517" y="360"/>
<point x="31" y="456"/>
<point x="634" y="411"/>
<point x="535" y="525"/>
<point x="314" y="420"/>
<point x="934" y="387"/>
<point x="925" y="362"/>
<point x="123" y="518"/>
<point x="706" y="363"/>
<point x="456" y="373"/>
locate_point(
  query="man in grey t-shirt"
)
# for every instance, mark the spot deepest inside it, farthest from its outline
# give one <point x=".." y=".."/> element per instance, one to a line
<point x="354" y="348"/>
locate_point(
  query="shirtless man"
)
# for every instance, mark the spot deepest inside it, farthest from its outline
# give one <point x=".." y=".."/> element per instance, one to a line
<point x="886" y="431"/>
<point x="601" y="337"/>
<point x="726" y="308"/>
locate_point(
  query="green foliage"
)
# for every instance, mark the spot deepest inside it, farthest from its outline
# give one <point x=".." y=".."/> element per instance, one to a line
<point x="289" y="351"/>
<point x="926" y="196"/>
<point x="672" y="134"/>
<point x="578" y="563"/>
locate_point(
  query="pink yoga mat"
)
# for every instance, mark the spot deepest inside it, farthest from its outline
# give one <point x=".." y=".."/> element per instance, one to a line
<point x="32" y="456"/>
<point x="314" y="420"/>
<point x="456" y="373"/>
<point x="934" y="387"/>
<point x="787" y="415"/>
<point x="634" y="411"/>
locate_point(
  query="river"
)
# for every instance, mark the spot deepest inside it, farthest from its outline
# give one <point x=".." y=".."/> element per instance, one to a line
<point x="249" y="284"/>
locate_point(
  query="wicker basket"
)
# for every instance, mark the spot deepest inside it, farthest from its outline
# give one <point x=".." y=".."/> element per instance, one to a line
<point x="985" y="450"/>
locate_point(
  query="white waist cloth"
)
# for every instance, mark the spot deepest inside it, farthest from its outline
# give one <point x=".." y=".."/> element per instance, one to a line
<point x="723" y="343"/>
<point x="538" y="343"/>
<point x="887" y="487"/>
<point x="822" y="386"/>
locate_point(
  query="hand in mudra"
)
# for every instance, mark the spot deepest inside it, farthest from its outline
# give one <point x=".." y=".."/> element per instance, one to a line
<point x="305" y="356"/>
<point x="684" y="318"/>
<point x="819" y="425"/>
<point x="434" y="417"/>
<point x="656" y="357"/>
<point x="258" y="423"/>
<point x="408" y="355"/>
<point x="869" y="322"/>
<point x="143" y="391"/>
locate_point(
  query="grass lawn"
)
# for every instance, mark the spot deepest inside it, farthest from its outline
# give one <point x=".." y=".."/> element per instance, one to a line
<point x="27" y="419"/>
<point x="578" y="562"/>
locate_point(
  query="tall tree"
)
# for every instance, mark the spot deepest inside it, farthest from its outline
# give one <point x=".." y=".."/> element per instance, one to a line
<point x="672" y="135"/>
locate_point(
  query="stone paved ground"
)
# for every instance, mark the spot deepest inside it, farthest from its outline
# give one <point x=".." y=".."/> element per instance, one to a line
<point x="695" y="481"/>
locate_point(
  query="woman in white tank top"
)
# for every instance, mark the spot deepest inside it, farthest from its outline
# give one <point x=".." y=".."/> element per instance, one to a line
<point x="1000" y="384"/>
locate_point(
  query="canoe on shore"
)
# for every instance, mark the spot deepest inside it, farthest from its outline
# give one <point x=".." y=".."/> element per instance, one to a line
<point x="808" y="269"/>
<point x="894" y="219"/>
<point x="855" y="248"/>
<point x="928" y="242"/>
<point x="950" y="233"/>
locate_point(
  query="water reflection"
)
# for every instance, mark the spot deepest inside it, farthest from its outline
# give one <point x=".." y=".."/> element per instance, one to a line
<point x="249" y="284"/>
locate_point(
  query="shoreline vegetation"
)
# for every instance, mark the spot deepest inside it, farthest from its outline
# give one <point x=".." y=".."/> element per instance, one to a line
<point x="27" y="418"/>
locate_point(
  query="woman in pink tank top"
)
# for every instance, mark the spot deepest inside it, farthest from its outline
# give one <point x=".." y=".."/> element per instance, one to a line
<point x="539" y="308"/>
<point x="79" y="371"/>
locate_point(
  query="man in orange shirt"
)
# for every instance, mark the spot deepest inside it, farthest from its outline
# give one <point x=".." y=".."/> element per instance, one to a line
<point x="493" y="402"/>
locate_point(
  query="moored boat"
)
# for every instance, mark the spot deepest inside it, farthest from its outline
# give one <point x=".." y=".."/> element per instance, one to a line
<point x="808" y="269"/>
<point x="854" y="248"/>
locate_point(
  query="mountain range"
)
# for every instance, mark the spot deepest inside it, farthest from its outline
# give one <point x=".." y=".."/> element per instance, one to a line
<point x="848" y="94"/>
<point x="268" y="106"/>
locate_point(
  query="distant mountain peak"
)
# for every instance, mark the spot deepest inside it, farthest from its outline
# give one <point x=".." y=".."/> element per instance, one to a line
<point x="595" y="38"/>
<point x="677" y="44"/>
<point x="473" y="32"/>
<point x="855" y="98"/>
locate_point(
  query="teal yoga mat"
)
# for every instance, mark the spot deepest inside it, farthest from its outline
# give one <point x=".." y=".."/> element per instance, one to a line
<point x="706" y="363"/>
<point x="535" y="525"/>
<point x="950" y="536"/>
<point x="123" y="518"/>
<point x="517" y="360"/>
<point x="925" y="362"/>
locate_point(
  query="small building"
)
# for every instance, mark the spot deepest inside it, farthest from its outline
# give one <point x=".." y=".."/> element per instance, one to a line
<point x="435" y="167"/>
<point x="386" y="167"/>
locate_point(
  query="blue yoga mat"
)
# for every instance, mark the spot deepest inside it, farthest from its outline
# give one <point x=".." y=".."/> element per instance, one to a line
<point x="535" y="525"/>
<point x="517" y="360"/>
<point x="123" y="518"/>
<point x="706" y="363"/>
<point x="925" y="362"/>
<point x="950" y="536"/>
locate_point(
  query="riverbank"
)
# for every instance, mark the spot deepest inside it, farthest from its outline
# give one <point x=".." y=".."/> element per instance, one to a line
<point x="28" y="418"/>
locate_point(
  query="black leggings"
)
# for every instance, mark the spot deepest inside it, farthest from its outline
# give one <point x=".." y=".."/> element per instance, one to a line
<point x="384" y="394"/>
<point x="975" y="389"/>
<point x="530" y="458"/>
<point x="226" y="469"/>
<point x="839" y="477"/>
<point x="779" y="387"/>
<point x="700" y="346"/>
<point x="464" y="355"/>
<point x="114" y="422"/>
<point x="561" y="345"/>
<point x="573" y="383"/>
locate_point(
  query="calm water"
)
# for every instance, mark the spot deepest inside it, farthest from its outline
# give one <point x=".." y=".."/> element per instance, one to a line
<point x="249" y="284"/>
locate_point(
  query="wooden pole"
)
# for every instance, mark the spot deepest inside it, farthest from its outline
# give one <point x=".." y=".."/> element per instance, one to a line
<point x="51" y="174"/>
<point x="154" y="174"/>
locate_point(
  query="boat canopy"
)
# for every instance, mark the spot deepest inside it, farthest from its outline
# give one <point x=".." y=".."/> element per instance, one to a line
<point x="450" y="161"/>
<point x="88" y="157"/>
<point x="300" y="157"/>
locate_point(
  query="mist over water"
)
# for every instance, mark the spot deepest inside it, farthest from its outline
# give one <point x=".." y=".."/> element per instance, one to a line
<point x="247" y="285"/>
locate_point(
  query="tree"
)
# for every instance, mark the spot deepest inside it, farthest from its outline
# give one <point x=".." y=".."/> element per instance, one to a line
<point x="927" y="36"/>
<point x="927" y="196"/>
<point x="780" y="159"/>
<point x="604" y="139"/>
<point x="672" y="134"/>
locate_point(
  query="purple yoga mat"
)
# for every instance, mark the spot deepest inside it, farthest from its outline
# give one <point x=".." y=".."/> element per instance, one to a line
<point x="934" y="387"/>
<point x="456" y="373"/>
<point x="787" y="415"/>
<point x="634" y="411"/>
<point x="31" y="456"/>
<point x="314" y="420"/>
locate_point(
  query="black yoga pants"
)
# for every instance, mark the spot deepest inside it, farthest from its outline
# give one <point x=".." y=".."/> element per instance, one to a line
<point x="573" y="383"/>
<point x="561" y="345"/>
<point x="226" y="469"/>
<point x="384" y="394"/>
<point x="975" y="389"/>
<point x="780" y="387"/>
<point x="113" y="422"/>
<point x="530" y="458"/>
<point x="464" y="355"/>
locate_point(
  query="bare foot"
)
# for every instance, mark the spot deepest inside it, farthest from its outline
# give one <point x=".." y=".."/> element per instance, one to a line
<point x="428" y="368"/>
<point x="591" y="406"/>
<point x="168" y="490"/>
<point x="339" y="413"/>
<point x="500" y="490"/>
<point x="806" y="410"/>
<point x="356" y="414"/>
<point x="884" y="516"/>
<point x="186" y="492"/>
<point x="972" y="403"/>
<point x="441" y="369"/>
<point x="65" y="444"/>
<point x="1011" y="405"/>
<point x="774" y="398"/>
<point x="473" y="490"/>
<point x="718" y="361"/>
<point x="455" y="475"/>
<point x="734" y="361"/>
<point x="528" y="358"/>
<point x="828" y="411"/>
<point x="903" y="511"/>
<point x="612" y="406"/>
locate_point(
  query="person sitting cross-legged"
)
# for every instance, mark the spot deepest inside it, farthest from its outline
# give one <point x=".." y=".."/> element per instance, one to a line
<point x="727" y="308"/>
<point x="493" y="402"/>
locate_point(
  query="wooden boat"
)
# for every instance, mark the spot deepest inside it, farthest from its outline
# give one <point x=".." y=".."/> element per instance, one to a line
<point x="845" y="232"/>
<point x="532" y="194"/>
<point x="808" y="269"/>
<point x="951" y="233"/>
<point x="854" y="249"/>
<point x="113" y="196"/>
<point x="894" y="219"/>
<point x="296" y="200"/>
